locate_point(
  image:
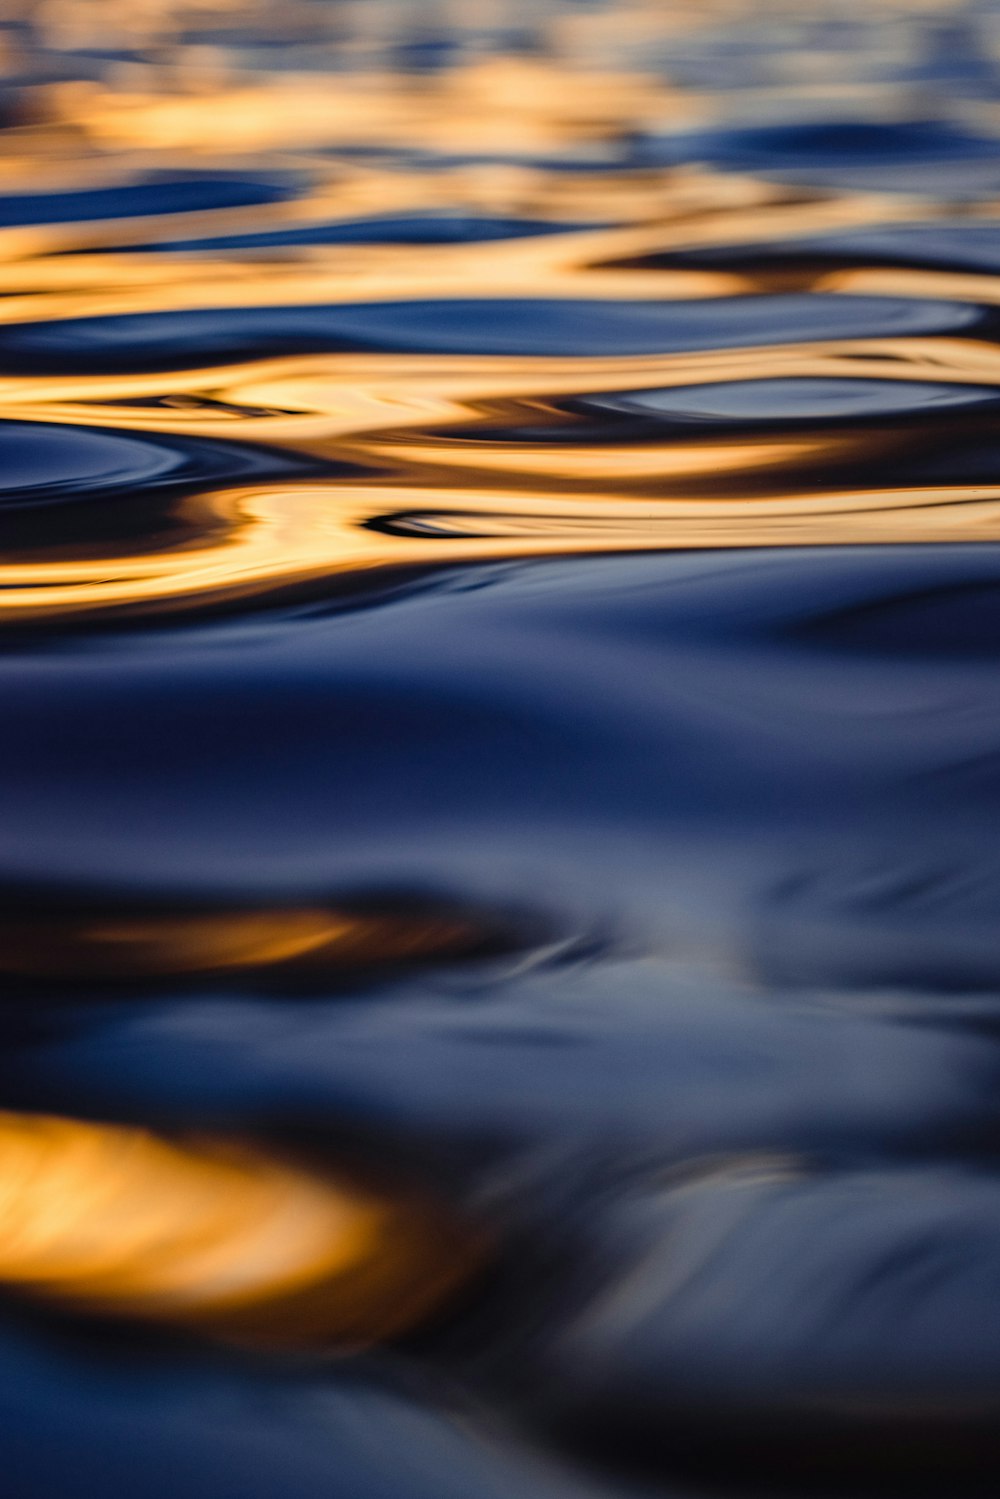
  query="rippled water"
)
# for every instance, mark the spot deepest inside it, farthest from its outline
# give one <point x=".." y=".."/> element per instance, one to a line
<point x="499" y="624"/>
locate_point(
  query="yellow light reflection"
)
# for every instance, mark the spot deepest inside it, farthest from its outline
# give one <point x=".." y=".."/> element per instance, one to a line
<point x="124" y="947"/>
<point x="489" y="136"/>
<point x="302" y="401"/>
<point x="215" y="1235"/>
<point x="266" y="539"/>
<point x="502" y="104"/>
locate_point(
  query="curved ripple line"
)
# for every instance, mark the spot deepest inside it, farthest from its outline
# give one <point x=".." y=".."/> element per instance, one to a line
<point x="259" y="541"/>
<point x="527" y="326"/>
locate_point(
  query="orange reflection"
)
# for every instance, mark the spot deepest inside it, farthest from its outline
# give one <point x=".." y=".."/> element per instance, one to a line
<point x="215" y="1235"/>
<point x="489" y="136"/>
<point x="260" y="540"/>
<point x="503" y="104"/>
<point x="126" y="947"/>
<point x="302" y="402"/>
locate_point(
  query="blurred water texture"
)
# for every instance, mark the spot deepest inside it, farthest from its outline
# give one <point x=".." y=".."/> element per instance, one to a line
<point x="499" y="618"/>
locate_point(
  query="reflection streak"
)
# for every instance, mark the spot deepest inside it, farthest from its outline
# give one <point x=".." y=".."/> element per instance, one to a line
<point x="213" y="1235"/>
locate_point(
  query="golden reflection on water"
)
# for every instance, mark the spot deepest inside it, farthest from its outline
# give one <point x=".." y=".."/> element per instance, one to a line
<point x="276" y="539"/>
<point x="451" y="498"/>
<point x="434" y="488"/>
<point x="500" y="104"/>
<point x="221" y="1237"/>
<point x="124" y="947"/>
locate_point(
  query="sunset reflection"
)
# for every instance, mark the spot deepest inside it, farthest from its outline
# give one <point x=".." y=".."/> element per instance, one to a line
<point x="367" y="196"/>
<point x="214" y="1236"/>
<point x="499" y="601"/>
<point x="123" y="947"/>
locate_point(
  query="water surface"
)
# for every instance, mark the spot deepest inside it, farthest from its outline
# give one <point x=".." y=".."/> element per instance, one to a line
<point x="499" y="611"/>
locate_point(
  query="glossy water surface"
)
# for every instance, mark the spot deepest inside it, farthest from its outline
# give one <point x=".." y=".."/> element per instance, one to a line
<point x="499" y="630"/>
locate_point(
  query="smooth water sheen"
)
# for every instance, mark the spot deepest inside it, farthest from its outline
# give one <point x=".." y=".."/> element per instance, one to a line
<point x="500" y="660"/>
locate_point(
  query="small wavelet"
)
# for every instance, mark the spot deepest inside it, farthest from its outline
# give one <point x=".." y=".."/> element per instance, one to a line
<point x="163" y="193"/>
<point x="776" y="402"/>
<point x="44" y="463"/>
<point x="927" y="158"/>
<point x="964" y="245"/>
<point x="584" y="329"/>
<point x="440" y="228"/>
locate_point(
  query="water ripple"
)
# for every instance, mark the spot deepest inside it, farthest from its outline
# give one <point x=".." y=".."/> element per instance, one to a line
<point x="499" y="591"/>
